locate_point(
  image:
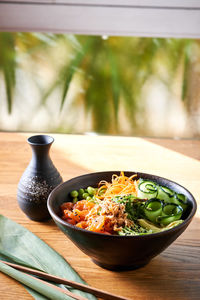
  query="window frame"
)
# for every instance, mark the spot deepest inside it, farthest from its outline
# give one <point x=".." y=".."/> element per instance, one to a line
<point x="145" y="18"/>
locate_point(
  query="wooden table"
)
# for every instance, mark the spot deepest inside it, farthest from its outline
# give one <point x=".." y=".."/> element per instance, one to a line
<point x="175" y="274"/>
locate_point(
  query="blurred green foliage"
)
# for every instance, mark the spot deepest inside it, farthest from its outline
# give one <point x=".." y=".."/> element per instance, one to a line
<point x="112" y="70"/>
<point x="8" y="64"/>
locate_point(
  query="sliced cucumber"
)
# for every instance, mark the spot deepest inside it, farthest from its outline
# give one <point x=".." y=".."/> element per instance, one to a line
<point x="165" y="194"/>
<point x="152" y="209"/>
<point x="182" y="198"/>
<point x="182" y="201"/>
<point x="147" y="189"/>
<point x="168" y="196"/>
<point x="171" y="212"/>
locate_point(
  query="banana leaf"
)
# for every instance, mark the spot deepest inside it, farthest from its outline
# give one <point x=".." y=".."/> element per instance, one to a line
<point x="19" y="245"/>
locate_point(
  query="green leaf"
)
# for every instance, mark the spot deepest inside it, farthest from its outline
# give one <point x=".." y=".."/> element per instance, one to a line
<point x="185" y="78"/>
<point x="8" y="64"/>
<point x="47" y="93"/>
<point x="18" y="243"/>
<point x="9" y="87"/>
<point x="35" y="295"/>
<point x="72" y="69"/>
<point x="115" y="83"/>
<point x="11" y="258"/>
<point x="33" y="283"/>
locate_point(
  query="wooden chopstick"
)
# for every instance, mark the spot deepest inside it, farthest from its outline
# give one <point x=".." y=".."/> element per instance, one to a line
<point x="68" y="293"/>
<point x="80" y="286"/>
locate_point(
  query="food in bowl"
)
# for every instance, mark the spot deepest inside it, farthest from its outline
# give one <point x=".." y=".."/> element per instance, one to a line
<point x="125" y="206"/>
<point x="114" y="251"/>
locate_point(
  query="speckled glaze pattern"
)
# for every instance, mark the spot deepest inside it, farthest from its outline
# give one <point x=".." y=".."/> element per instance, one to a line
<point x="38" y="180"/>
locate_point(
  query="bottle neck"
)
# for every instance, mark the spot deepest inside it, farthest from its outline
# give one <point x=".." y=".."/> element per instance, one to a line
<point x="40" y="145"/>
<point x="41" y="160"/>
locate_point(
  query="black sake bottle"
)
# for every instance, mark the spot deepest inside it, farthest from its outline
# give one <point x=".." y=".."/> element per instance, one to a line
<point x="38" y="180"/>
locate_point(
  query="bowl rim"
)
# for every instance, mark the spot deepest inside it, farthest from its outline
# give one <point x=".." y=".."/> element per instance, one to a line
<point x="59" y="220"/>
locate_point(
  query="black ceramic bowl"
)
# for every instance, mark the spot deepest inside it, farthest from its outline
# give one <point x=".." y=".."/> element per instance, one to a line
<point x="116" y="252"/>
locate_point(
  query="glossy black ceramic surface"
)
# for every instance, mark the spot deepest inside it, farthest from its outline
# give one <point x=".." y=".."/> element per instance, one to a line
<point x="112" y="251"/>
<point x="38" y="180"/>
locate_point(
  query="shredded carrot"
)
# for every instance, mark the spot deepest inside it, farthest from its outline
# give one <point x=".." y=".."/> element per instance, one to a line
<point x="120" y="185"/>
